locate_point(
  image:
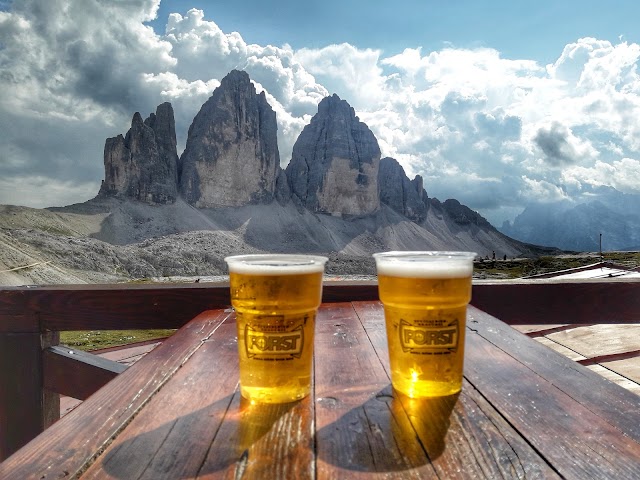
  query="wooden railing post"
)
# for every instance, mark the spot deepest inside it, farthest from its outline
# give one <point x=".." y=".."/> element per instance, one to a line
<point x="26" y="408"/>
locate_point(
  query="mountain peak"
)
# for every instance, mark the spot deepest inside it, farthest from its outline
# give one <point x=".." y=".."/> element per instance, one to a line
<point x="143" y="165"/>
<point x="334" y="164"/>
<point x="231" y="157"/>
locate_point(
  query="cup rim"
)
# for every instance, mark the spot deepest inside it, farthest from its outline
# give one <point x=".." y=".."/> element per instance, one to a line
<point x="276" y="261"/>
<point x="426" y="255"/>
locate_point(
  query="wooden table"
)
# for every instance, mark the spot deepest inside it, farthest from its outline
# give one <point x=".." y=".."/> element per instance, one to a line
<point x="524" y="412"/>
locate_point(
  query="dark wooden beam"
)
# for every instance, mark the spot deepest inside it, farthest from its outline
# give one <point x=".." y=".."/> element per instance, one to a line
<point x="26" y="408"/>
<point x="115" y="307"/>
<point x="75" y="373"/>
<point x="338" y="291"/>
<point x="545" y="302"/>
<point x="610" y="358"/>
<point x="112" y="307"/>
<point x="118" y="307"/>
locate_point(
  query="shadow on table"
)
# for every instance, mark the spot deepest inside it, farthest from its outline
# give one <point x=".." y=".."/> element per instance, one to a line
<point x="431" y="419"/>
<point x="389" y="432"/>
<point x="265" y="441"/>
<point x="385" y="434"/>
<point x="230" y="434"/>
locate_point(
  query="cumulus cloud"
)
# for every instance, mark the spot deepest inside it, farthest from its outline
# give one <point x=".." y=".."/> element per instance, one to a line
<point x="69" y="72"/>
<point x="492" y="132"/>
<point x="204" y="54"/>
<point x="352" y="73"/>
<point x="542" y="191"/>
<point x="75" y="72"/>
<point x="560" y="146"/>
<point x="624" y="175"/>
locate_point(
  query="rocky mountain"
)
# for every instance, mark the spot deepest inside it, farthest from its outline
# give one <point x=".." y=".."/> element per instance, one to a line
<point x="577" y="226"/>
<point x="405" y="196"/>
<point x="112" y="239"/>
<point x="231" y="157"/>
<point x="143" y="165"/>
<point x="334" y="164"/>
<point x="336" y="197"/>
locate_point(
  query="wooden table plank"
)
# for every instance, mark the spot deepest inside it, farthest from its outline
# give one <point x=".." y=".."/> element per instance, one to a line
<point x="614" y="404"/>
<point x="558" y="426"/>
<point x="263" y="442"/>
<point x="607" y="372"/>
<point x="464" y="436"/>
<point x="522" y="413"/>
<point x="184" y="416"/>
<point x="598" y="340"/>
<point x="359" y="429"/>
<point x="629" y="368"/>
<point x="67" y="447"/>
<point x="224" y="435"/>
<point x="567" y="352"/>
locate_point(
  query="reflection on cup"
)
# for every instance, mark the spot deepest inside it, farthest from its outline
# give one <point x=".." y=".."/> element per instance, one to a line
<point x="425" y="297"/>
<point x="276" y="298"/>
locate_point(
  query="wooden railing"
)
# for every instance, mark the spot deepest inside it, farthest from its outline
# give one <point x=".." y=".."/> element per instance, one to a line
<point x="35" y="370"/>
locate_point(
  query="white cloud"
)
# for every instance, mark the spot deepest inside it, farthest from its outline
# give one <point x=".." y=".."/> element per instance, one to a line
<point x="490" y="131"/>
<point x="201" y="48"/>
<point x="45" y="191"/>
<point x="541" y="191"/>
<point x="561" y="147"/>
<point x="591" y="64"/>
<point x="354" y="74"/>
<point x="623" y="175"/>
<point x="205" y="54"/>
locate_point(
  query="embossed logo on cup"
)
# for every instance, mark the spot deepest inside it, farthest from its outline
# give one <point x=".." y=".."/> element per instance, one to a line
<point x="428" y="340"/>
<point x="262" y="345"/>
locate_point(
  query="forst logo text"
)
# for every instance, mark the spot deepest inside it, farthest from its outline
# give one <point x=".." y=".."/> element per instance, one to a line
<point x="419" y="339"/>
<point x="273" y="345"/>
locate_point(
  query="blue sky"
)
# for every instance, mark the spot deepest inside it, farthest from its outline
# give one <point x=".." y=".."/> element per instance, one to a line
<point x="535" y="30"/>
<point x="497" y="104"/>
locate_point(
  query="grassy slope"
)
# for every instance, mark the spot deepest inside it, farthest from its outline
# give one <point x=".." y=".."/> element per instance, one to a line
<point x="546" y="264"/>
<point x="93" y="340"/>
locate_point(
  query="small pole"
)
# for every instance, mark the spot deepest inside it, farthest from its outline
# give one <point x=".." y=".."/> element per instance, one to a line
<point x="600" y="247"/>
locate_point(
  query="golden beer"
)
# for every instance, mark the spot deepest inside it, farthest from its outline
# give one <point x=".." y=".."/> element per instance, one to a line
<point x="275" y="298"/>
<point x="425" y="297"/>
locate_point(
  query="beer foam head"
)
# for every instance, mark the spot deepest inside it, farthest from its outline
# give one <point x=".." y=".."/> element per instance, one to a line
<point x="276" y="264"/>
<point x="425" y="264"/>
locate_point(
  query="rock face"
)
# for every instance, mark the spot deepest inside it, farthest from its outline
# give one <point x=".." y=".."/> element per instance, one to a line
<point x="405" y="196"/>
<point x="143" y="165"/>
<point x="231" y="157"/>
<point x="334" y="164"/>
<point x="463" y="215"/>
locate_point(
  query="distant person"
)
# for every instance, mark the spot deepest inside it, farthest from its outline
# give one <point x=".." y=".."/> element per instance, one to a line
<point x="494" y="255"/>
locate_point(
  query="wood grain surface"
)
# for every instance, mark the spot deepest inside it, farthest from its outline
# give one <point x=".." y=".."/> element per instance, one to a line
<point x="525" y="411"/>
<point x="67" y="447"/>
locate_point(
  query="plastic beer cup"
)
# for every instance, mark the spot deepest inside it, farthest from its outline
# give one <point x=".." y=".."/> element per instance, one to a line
<point x="425" y="297"/>
<point x="275" y="298"/>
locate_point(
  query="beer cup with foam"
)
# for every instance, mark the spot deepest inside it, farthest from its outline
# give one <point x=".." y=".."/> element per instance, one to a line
<point x="425" y="297"/>
<point x="275" y="298"/>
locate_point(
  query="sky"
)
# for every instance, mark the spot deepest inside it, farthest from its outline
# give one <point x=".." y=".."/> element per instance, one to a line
<point x="498" y="104"/>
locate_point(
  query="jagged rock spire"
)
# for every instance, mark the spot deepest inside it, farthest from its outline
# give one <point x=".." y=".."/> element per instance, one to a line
<point x="334" y="164"/>
<point x="231" y="157"/>
<point x="143" y="164"/>
<point x="405" y="196"/>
